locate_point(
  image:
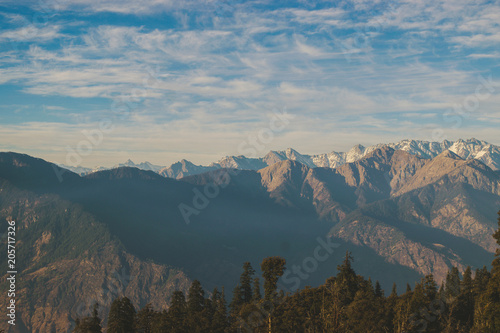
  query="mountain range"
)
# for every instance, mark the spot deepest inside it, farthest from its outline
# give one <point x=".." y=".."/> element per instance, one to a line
<point x="401" y="214"/>
<point x="472" y="148"/>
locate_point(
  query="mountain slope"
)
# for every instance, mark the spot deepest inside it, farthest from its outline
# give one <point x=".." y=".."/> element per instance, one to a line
<point x="67" y="260"/>
<point x="446" y="196"/>
<point x="450" y="165"/>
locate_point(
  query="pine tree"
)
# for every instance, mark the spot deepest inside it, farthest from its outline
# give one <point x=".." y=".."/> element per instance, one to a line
<point x="394" y="291"/>
<point x="219" y="322"/>
<point x="196" y="298"/>
<point x="90" y="324"/>
<point x="237" y="300"/>
<point x="256" y="290"/>
<point x="145" y="319"/>
<point x="403" y="314"/>
<point x="379" y="293"/>
<point x="195" y="308"/>
<point x="461" y="310"/>
<point x="347" y="280"/>
<point x="246" y="283"/>
<point x="487" y="315"/>
<point x="440" y="293"/>
<point x="452" y="285"/>
<point x="467" y="283"/>
<point x="272" y="269"/>
<point x="364" y="311"/>
<point x="121" y="318"/>
<point x="161" y="322"/>
<point x="389" y="309"/>
<point x="480" y="281"/>
<point x="432" y="311"/>
<point x="177" y="314"/>
<point x="341" y="291"/>
<point x="418" y="299"/>
<point x="420" y="318"/>
<point x="429" y="287"/>
<point x="496" y="235"/>
<point x="210" y="304"/>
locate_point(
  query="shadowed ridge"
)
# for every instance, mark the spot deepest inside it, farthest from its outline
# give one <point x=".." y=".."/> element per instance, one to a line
<point x="28" y="172"/>
<point x="124" y="173"/>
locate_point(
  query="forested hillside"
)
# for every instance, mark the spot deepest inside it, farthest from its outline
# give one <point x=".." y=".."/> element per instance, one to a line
<point x="347" y="302"/>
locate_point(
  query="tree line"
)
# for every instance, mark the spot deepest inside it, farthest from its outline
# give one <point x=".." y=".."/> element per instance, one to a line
<point x="347" y="302"/>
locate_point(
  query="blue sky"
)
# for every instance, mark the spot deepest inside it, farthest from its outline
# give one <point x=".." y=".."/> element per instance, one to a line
<point x="194" y="79"/>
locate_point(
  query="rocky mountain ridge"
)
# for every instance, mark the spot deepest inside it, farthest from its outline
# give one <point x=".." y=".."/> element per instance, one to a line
<point x="467" y="149"/>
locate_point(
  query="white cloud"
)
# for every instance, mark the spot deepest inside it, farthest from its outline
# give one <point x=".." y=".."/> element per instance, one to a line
<point x="30" y="33"/>
<point x="477" y="40"/>
<point x="330" y="16"/>
<point x="119" y="6"/>
<point x="484" y="55"/>
<point x="303" y="47"/>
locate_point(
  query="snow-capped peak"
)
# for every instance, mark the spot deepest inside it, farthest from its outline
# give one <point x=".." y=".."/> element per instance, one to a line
<point x="467" y="149"/>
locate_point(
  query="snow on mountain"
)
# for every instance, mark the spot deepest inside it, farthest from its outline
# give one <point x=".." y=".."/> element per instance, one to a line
<point x="143" y="166"/>
<point x="239" y="162"/>
<point x="290" y="154"/>
<point x="423" y="149"/>
<point x="467" y="149"/>
<point x="83" y="171"/>
<point x="184" y="168"/>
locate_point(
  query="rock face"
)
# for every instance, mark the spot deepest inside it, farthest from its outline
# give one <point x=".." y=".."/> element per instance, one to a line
<point x="379" y="199"/>
<point x="447" y="193"/>
<point x="392" y="244"/>
<point x="74" y="285"/>
<point x="284" y="180"/>
<point x="450" y="165"/>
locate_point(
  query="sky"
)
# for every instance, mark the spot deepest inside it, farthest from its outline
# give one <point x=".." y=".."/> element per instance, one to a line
<point x="94" y="83"/>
